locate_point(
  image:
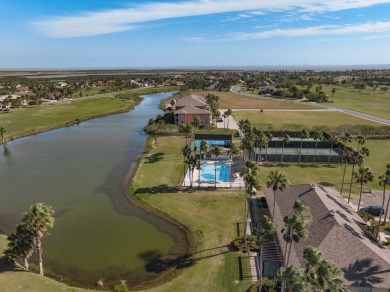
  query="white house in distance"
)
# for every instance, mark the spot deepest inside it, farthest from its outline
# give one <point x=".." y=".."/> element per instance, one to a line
<point x="191" y="106"/>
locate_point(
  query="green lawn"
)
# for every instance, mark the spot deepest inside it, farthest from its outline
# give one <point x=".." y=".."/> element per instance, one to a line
<point x="366" y="101"/>
<point x="210" y="216"/>
<point x="280" y="120"/>
<point x="332" y="176"/>
<point x="27" y="121"/>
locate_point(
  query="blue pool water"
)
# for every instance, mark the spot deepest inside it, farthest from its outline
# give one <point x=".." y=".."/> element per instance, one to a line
<point x="207" y="173"/>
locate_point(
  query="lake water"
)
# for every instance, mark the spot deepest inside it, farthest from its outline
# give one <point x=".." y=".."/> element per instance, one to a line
<point x="81" y="172"/>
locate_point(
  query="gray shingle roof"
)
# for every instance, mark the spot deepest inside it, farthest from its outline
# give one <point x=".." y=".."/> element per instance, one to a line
<point x="191" y="99"/>
<point x="341" y="238"/>
<point x="192" y="110"/>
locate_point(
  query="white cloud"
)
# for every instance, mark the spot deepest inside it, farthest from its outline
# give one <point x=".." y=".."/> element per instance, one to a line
<point x="368" y="27"/>
<point x="117" y="20"/>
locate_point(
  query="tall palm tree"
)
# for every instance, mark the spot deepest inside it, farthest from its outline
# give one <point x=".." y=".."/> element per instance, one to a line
<point x="361" y="140"/>
<point x="202" y="149"/>
<point x="296" y="228"/>
<point x="252" y="183"/>
<point x="318" y="135"/>
<point x="217" y="153"/>
<point x="227" y="114"/>
<point x="345" y="139"/>
<point x="285" y="140"/>
<point x="384" y="181"/>
<point x="277" y="181"/>
<point x="333" y="140"/>
<point x="363" y="176"/>
<point x="269" y="139"/>
<point x="303" y="134"/>
<point x="38" y="219"/>
<point x="234" y="150"/>
<point x="292" y="280"/>
<point x="347" y="156"/>
<point x="356" y="159"/>
<point x="266" y="230"/>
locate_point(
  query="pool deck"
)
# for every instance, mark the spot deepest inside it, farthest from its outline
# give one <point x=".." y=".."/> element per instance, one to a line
<point x="237" y="181"/>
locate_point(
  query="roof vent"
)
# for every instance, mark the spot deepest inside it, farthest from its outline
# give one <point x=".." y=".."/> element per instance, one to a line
<point x="312" y="186"/>
<point x="332" y="212"/>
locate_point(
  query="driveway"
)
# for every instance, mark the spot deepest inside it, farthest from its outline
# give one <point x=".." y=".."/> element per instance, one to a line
<point x="227" y="121"/>
<point x="374" y="198"/>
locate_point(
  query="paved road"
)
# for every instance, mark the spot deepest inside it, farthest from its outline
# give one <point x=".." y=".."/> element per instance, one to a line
<point x="227" y="121"/>
<point x="237" y="89"/>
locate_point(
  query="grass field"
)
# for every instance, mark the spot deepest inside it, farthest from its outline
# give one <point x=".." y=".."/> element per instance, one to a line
<point x="332" y="175"/>
<point x="366" y="101"/>
<point x="27" y="121"/>
<point x="210" y="216"/>
<point x="237" y="101"/>
<point x="279" y="120"/>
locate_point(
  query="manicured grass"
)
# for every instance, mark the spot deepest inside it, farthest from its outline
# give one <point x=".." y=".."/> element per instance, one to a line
<point x="13" y="279"/>
<point x="332" y="176"/>
<point x="366" y="101"/>
<point x="237" y="101"/>
<point x="210" y="216"/>
<point x="278" y="120"/>
<point x="27" y="121"/>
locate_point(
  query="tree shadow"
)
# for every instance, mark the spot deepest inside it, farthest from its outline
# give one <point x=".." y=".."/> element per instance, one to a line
<point x="8" y="266"/>
<point x="363" y="273"/>
<point x="156" y="263"/>
<point x="326" y="184"/>
<point x="6" y="151"/>
<point x="160" y="189"/>
<point x="156" y="157"/>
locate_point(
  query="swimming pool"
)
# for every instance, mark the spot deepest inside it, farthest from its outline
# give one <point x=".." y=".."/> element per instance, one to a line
<point x="207" y="173"/>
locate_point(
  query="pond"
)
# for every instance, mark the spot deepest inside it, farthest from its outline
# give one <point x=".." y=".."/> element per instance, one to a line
<point x="82" y="172"/>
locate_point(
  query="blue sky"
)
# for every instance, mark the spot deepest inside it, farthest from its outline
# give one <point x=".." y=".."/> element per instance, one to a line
<point x="168" y="33"/>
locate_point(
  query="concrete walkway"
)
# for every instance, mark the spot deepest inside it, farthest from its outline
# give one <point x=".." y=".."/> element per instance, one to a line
<point x="253" y="257"/>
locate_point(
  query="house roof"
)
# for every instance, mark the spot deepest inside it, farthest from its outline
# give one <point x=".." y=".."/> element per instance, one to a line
<point x="191" y="99"/>
<point x="341" y="238"/>
<point x="192" y="110"/>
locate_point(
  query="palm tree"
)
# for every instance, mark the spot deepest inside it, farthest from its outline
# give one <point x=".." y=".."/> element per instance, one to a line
<point x="384" y="180"/>
<point x="296" y="228"/>
<point x="285" y="140"/>
<point x="277" y="181"/>
<point x="252" y="183"/>
<point x="2" y="134"/>
<point x="292" y="280"/>
<point x="192" y="162"/>
<point x="20" y="245"/>
<point x="318" y="135"/>
<point x="227" y="114"/>
<point x="304" y="134"/>
<point x="267" y="230"/>
<point x="217" y="153"/>
<point x="187" y="131"/>
<point x="346" y="138"/>
<point x="361" y="140"/>
<point x="202" y="149"/>
<point x="333" y="140"/>
<point x="363" y="176"/>
<point x="196" y="122"/>
<point x="234" y="150"/>
<point x="269" y="139"/>
<point x="38" y="219"/>
<point x="321" y="274"/>
<point x="356" y="159"/>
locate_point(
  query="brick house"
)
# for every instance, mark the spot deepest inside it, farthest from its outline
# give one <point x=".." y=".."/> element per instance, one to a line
<point x="191" y="106"/>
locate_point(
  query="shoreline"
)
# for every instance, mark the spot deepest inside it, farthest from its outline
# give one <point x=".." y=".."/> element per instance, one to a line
<point x="170" y="274"/>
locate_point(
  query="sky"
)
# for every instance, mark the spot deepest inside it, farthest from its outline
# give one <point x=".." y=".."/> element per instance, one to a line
<point x="180" y="33"/>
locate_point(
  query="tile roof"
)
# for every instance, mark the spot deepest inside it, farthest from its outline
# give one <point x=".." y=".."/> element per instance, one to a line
<point x="192" y="110"/>
<point x="191" y="99"/>
<point x="341" y="237"/>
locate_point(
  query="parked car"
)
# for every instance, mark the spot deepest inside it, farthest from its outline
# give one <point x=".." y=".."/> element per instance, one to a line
<point x="373" y="210"/>
<point x="219" y="120"/>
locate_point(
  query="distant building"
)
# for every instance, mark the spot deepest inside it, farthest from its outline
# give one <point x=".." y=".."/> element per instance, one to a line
<point x="61" y="84"/>
<point x="338" y="233"/>
<point x="191" y="106"/>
